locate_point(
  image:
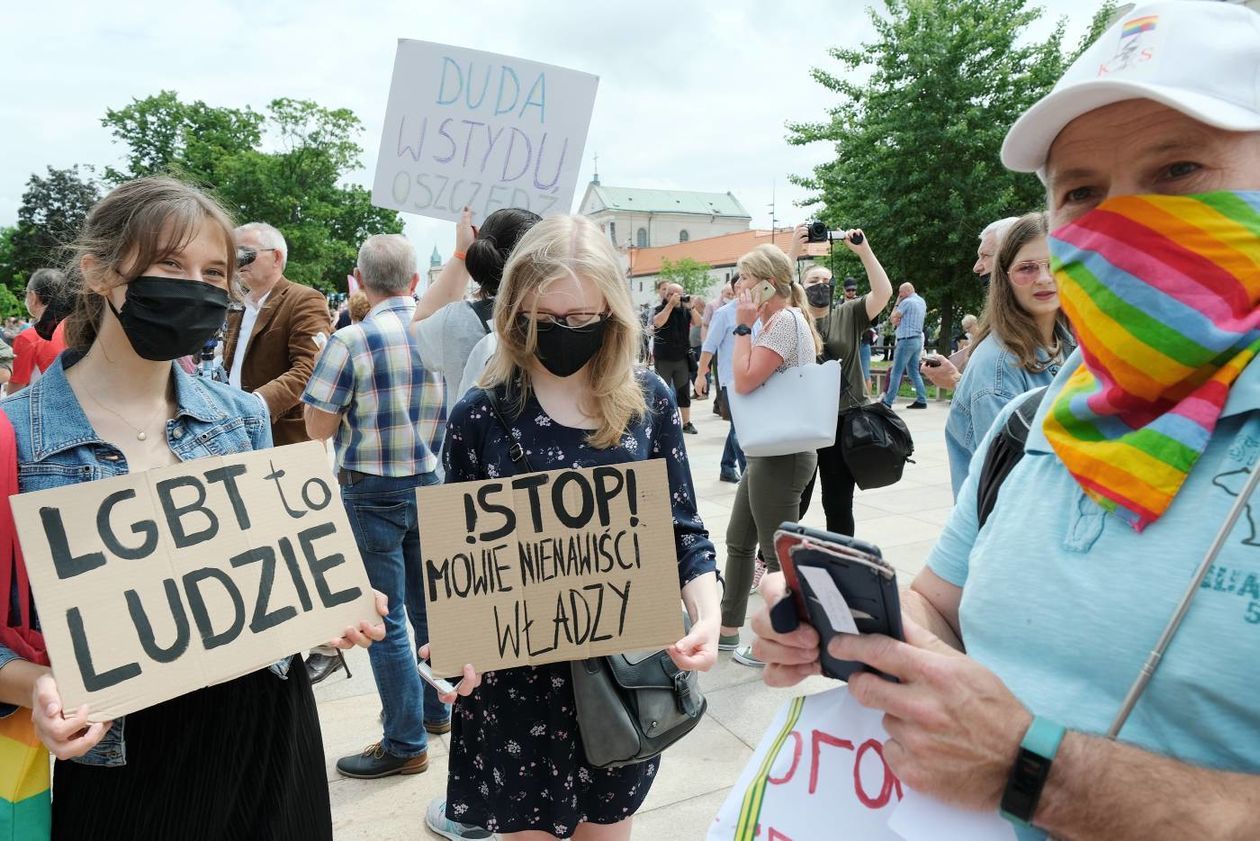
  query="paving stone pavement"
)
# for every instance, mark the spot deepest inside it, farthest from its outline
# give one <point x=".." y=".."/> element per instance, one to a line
<point x="696" y="774"/>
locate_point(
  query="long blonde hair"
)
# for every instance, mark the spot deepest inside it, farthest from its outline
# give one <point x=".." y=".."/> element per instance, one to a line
<point x="768" y="262"/>
<point x="558" y="247"/>
<point x="1003" y="315"/>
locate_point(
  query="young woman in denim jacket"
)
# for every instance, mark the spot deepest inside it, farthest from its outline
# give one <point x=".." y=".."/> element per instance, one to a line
<point x="242" y="759"/>
<point x="1021" y="343"/>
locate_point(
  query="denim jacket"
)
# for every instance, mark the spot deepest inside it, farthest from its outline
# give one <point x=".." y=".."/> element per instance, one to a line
<point x="993" y="377"/>
<point x="57" y="446"/>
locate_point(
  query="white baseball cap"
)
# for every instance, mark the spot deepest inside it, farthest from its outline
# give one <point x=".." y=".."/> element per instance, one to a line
<point x="1200" y="58"/>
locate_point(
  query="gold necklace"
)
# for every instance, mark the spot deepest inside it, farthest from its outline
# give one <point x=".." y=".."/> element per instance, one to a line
<point x="141" y="435"/>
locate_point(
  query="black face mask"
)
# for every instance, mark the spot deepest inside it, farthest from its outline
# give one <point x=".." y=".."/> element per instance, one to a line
<point x="166" y="318"/>
<point x="565" y="350"/>
<point x="820" y="294"/>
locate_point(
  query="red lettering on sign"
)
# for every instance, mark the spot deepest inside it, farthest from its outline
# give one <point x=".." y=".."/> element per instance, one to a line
<point x="796" y="760"/>
<point x="775" y="835"/>
<point x="887" y="785"/>
<point x="817" y="739"/>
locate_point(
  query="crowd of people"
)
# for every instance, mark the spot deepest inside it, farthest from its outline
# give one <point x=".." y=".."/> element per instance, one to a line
<point x="1127" y="307"/>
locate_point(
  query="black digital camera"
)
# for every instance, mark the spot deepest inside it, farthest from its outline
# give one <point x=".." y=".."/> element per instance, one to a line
<point x="816" y="231"/>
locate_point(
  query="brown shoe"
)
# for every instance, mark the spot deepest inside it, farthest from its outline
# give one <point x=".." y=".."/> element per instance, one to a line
<point x="375" y="763"/>
<point x="438" y="728"/>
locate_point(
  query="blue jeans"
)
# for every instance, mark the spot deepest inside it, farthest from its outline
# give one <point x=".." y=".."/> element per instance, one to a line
<point x="382" y="513"/>
<point x="905" y="360"/>
<point x="864" y="354"/>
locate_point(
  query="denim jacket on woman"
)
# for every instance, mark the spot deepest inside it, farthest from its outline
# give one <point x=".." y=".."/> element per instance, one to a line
<point x="57" y="446"/>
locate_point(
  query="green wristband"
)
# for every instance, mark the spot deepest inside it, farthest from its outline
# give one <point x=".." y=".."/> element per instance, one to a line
<point x="1032" y="767"/>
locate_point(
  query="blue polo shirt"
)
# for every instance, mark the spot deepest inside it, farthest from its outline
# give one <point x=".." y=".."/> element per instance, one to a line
<point x="720" y="341"/>
<point x="1064" y="601"/>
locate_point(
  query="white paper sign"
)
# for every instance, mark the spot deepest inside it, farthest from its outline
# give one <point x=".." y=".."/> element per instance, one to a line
<point x="470" y="128"/>
<point x="819" y="773"/>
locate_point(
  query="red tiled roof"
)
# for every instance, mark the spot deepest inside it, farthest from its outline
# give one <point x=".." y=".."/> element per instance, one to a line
<point x="718" y="252"/>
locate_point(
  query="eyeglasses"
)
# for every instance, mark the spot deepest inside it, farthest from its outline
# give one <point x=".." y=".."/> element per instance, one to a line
<point x="545" y="321"/>
<point x="1029" y="271"/>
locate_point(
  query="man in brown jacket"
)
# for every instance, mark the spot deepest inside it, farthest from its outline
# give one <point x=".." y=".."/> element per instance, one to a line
<point x="270" y="344"/>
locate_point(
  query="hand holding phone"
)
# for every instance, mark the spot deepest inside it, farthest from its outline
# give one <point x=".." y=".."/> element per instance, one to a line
<point x="764" y="292"/>
<point x="443" y="686"/>
<point x="838" y="585"/>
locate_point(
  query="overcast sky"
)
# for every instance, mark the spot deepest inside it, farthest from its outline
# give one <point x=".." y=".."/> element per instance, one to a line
<point x="691" y="95"/>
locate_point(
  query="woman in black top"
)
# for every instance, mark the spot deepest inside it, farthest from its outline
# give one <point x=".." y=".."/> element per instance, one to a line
<point x="841" y="325"/>
<point x="565" y="374"/>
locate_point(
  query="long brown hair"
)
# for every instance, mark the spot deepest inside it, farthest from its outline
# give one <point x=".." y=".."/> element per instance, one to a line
<point x="139" y="223"/>
<point x="1003" y="315"/>
<point x="555" y="248"/>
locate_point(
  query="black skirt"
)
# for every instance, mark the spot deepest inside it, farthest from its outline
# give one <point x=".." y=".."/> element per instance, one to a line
<point x="517" y="761"/>
<point x="240" y="760"/>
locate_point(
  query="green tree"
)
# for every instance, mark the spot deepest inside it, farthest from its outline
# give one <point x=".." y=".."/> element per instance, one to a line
<point x="691" y="274"/>
<point x="51" y="214"/>
<point x="286" y="167"/>
<point x="917" y="146"/>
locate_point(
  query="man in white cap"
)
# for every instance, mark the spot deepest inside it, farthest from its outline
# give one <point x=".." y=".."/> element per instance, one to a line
<point x="1096" y="553"/>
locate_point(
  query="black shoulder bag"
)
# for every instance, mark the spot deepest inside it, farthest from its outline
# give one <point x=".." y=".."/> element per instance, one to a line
<point x="1005" y="451"/>
<point x="876" y="444"/>
<point x="630" y="707"/>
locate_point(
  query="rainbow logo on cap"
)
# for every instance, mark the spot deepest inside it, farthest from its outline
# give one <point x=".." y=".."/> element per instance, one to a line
<point x="1139" y="25"/>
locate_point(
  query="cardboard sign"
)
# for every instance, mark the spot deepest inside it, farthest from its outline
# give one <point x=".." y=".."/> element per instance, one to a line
<point x="821" y="765"/>
<point x="155" y="584"/>
<point x="469" y="128"/>
<point x="547" y="567"/>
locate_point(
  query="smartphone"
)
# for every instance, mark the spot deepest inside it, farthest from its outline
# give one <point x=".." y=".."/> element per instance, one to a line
<point x="764" y="292"/>
<point x="932" y="361"/>
<point x="443" y="686"/>
<point x="839" y="584"/>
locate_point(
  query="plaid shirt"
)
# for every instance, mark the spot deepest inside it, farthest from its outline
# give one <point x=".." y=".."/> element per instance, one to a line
<point x="393" y="414"/>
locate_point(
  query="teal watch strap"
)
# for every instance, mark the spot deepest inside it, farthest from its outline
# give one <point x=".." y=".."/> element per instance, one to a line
<point x="1043" y="737"/>
<point x="1032" y="767"/>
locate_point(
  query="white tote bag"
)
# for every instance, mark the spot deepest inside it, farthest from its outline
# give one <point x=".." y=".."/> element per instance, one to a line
<point x="793" y="411"/>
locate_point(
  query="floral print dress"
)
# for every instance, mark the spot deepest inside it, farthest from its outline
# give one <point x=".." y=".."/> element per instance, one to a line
<point x="516" y="754"/>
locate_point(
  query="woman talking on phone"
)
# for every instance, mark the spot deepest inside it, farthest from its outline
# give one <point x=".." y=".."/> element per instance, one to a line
<point x="240" y="759"/>
<point x="769" y="492"/>
<point x="564" y="379"/>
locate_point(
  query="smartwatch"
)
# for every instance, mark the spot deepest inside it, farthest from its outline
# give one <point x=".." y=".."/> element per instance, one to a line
<point x="1032" y="766"/>
<point x="742" y="330"/>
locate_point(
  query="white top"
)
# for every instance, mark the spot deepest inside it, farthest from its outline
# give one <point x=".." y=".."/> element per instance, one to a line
<point x="477" y="359"/>
<point x="446" y="340"/>
<point x="248" y="319"/>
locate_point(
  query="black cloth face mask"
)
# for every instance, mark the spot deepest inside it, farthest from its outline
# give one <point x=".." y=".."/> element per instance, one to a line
<point x="166" y="318"/>
<point x="820" y="294"/>
<point x="565" y="350"/>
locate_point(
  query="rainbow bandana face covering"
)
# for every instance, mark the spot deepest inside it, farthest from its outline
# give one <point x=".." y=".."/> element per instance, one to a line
<point x="1162" y="293"/>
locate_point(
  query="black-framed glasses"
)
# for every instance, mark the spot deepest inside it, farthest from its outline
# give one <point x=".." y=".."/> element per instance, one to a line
<point x="545" y="321"/>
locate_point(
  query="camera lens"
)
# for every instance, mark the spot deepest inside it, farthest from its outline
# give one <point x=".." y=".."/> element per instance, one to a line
<point x="817" y="231"/>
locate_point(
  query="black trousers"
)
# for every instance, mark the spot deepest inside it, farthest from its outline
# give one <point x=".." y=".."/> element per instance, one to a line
<point x="838" y="485"/>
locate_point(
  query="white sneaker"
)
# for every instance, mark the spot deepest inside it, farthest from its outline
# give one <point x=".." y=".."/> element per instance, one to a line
<point x="758" y="572"/>
<point x="744" y="655"/>
<point x="436" y="820"/>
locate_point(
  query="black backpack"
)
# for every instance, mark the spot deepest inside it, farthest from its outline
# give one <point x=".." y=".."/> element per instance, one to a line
<point x="1005" y="451"/>
<point x="876" y="444"/>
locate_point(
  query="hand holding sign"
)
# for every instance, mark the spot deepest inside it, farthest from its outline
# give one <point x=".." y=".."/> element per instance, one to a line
<point x="65" y="736"/>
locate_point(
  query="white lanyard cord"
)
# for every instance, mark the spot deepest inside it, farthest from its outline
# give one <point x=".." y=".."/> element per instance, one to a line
<point x="1152" y="661"/>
